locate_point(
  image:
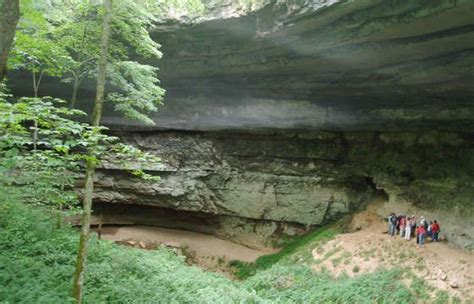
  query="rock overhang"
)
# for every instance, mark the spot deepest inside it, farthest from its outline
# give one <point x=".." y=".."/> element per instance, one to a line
<point x="325" y="65"/>
<point x="359" y="65"/>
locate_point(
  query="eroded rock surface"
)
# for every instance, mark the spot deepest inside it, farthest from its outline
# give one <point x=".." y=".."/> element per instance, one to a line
<point x="250" y="94"/>
<point x="345" y="65"/>
<point x="286" y="182"/>
<point x="313" y="64"/>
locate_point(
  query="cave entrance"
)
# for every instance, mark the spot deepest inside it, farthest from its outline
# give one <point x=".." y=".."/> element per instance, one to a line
<point x="379" y="194"/>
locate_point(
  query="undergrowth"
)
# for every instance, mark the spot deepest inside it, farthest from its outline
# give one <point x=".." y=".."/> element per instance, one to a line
<point x="37" y="263"/>
<point x="299" y="284"/>
<point x="243" y="270"/>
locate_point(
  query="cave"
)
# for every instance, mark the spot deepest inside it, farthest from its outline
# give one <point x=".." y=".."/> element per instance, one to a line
<point x="278" y="115"/>
<point x="237" y="151"/>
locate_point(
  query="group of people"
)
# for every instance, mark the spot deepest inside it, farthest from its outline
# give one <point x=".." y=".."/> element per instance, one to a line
<point x="408" y="227"/>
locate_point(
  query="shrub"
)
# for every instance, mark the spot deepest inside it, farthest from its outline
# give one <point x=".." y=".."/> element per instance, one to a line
<point x="37" y="263"/>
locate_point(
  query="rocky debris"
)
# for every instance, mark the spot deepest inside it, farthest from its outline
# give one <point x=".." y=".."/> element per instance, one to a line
<point x="454" y="284"/>
<point x="136" y="244"/>
<point x="172" y="244"/>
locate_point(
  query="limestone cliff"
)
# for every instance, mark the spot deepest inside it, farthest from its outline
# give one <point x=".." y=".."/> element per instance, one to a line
<point x="345" y="65"/>
<point x="283" y="182"/>
<point x="289" y="114"/>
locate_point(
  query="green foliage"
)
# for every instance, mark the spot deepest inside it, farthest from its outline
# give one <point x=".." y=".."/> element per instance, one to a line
<point x="44" y="174"/>
<point x="47" y="174"/>
<point x="299" y="284"/>
<point x="62" y="38"/>
<point x="244" y="270"/>
<point x="37" y="261"/>
<point x="441" y="297"/>
<point x="131" y="24"/>
<point x="420" y="288"/>
<point x="34" y="48"/>
<point x="140" y="91"/>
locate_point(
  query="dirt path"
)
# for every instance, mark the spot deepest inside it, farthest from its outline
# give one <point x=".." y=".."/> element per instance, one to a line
<point x="370" y="247"/>
<point x="205" y="250"/>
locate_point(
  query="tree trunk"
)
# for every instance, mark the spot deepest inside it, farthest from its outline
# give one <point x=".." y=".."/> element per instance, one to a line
<point x="35" y="135"/>
<point x="9" y="16"/>
<point x="77" y="72"/>
<point x="90" y="169"/>
<point x="74" y="92"/>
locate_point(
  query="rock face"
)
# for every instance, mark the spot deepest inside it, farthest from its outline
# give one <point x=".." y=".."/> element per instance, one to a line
<point x="284" y="182"/>
<point x="278" y="184"/>
<point x="358" y="65"/>
<point x="314" y="64"/>
<point x="290" y="116"/>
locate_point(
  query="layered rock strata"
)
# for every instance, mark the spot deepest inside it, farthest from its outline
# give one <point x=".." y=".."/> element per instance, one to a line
<point x="286" y="182"/>
<point x="249" y="96"/>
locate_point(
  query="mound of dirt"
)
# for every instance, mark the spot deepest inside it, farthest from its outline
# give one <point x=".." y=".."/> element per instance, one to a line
<point x="368" y="247"/>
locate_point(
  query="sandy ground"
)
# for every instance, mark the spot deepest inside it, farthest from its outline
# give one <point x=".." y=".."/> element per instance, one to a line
<point x="370" y="247"/>
<point x="205" y="250"/>
<point x="365" y="249"/>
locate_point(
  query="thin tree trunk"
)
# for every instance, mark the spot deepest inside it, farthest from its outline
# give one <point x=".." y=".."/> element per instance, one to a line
<point x="102" y="66"/>
<point x="62" y="188"/>
<point x="36" y="81"/>
<point x="35" y="126"/>
<point x="90" y="169"/>
<point x="74" y="92"/>
<point x="85" y="228"/>
<point x="36" y="84"/>
<point x="77" y="72"/>
<point x="33" y="74"/>
<point x="35" y="135"/>
<point x="9" y="16"/>
<point x="99" y="229"/>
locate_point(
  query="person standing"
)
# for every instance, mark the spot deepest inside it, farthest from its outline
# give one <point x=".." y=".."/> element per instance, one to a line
<point x="392" y="224"/>
<point x="435" y="229"/>
<point x="408" y="229"/>
<point x="421" y="232"/>
<point x="402" y="223"/>
<point x="429" y="232"/>
<point x="422" y="221"/>
<point x="413" y="225"/>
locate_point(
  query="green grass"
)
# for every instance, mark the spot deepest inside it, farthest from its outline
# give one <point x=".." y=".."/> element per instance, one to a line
<point x="420" y="288"/>
<point x="310" y="287"/>
<point x="441" y="297"/>
<point x="37" y="263"/>
<point x="243" y="270"/>
<point x="343" y="257"/>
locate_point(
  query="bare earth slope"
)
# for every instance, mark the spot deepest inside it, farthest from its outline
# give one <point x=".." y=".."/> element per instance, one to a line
<point x="205" y="250"/>
<point x="369" y="248"/>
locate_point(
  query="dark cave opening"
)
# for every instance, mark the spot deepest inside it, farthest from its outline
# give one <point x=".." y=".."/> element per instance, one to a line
<point x="379" y="193"/>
